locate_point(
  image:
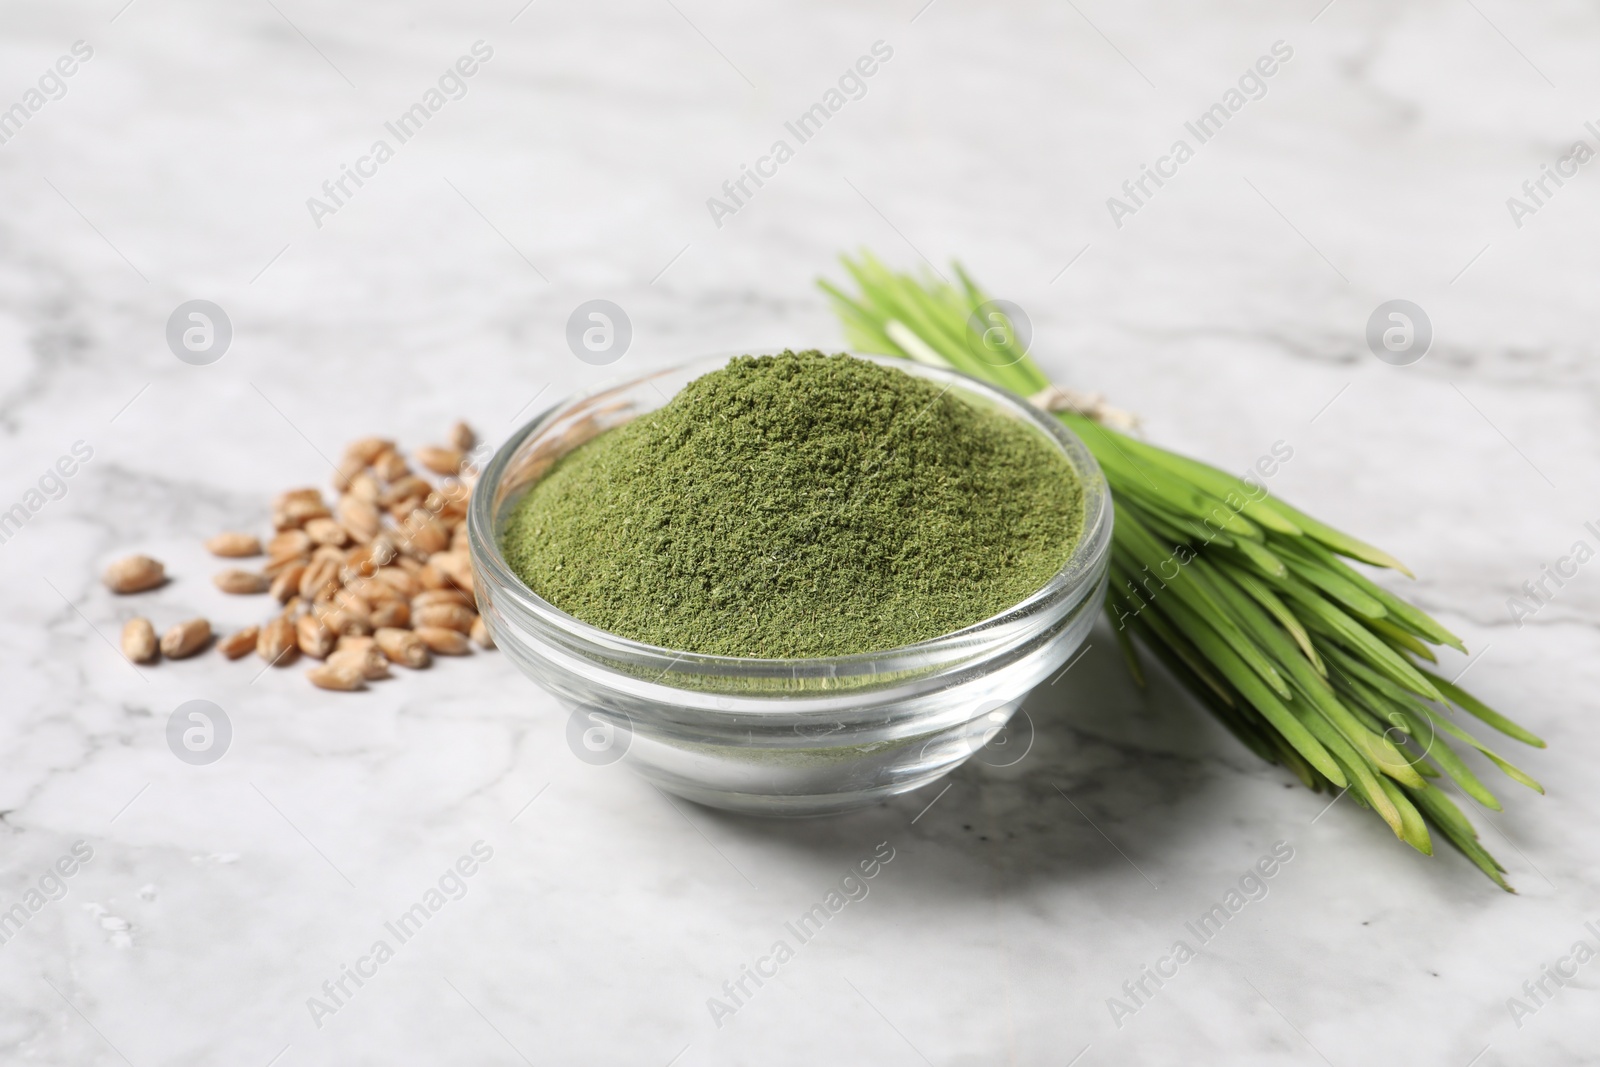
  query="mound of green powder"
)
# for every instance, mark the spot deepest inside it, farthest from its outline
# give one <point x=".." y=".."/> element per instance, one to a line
<point x="799" y="505"/>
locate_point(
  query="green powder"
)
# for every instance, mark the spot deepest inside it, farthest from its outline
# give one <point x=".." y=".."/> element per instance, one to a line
<point x="800" y="505"/>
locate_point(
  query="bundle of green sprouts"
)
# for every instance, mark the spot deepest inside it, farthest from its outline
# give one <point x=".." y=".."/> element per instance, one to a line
<point x="1247" y="601"/>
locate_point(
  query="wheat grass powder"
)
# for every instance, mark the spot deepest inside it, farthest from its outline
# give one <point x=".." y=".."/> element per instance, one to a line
<point x="800" y="505"/>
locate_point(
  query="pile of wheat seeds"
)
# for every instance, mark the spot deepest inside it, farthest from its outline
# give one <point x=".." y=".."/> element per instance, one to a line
<point x="379" y="576"/>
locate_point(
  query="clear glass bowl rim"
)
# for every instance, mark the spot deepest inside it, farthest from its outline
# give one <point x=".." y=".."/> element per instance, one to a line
<point x="1077" y="575"/>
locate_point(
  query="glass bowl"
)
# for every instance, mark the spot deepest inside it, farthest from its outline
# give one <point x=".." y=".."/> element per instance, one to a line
<point x="778" y="736"/>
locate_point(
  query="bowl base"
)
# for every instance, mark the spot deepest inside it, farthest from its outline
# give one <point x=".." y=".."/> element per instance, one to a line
<point x="792" y="805"/>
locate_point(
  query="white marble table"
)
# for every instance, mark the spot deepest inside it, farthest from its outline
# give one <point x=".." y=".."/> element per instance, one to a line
<point x="1228" y="309"/>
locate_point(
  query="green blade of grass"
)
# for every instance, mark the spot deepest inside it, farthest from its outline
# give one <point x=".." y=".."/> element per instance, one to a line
<point x="1306" y="682"/>
<point x="1439" y="750"/>
<point x="1185" y="530"/>
<point x="1279" y="611"/>
<point x="1363" y="783"/>
<point x="1473" y="706"/>
<point x="1413" y="829"/>
<point x="1448" y="818"/>
<point x="1217" y="483"/>
<point x="1401" y="640"/>
<point x="1320" y="614"/>
<point x="1400" y="610"/>
<point x="1308" y="569"/>
<point x="1199" y="598"/>
<point x="1344" y="661"/>
<point x="1263" y="559"/>
<point x="1130" y="655"/>
<point x="1128" y="613"/>
<point x="1250" y="685"/>
<point x="863" y="332"/>
<point x="1359" y="673"/>
<point x="1341" y="543"/>
<point x="1173" y="529"/>
<point x="1509" y="769"/>
<point x="1169" y="492"/>
<point x="1404" y="712"/>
